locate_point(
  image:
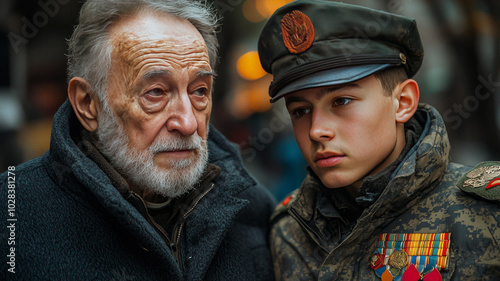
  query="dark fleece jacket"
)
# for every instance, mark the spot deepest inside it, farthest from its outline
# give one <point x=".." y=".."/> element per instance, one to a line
<point x="71" y="223"/>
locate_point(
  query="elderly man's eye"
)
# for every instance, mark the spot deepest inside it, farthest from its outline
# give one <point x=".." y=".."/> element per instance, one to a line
<point x="155" y="92"/>
<point x="201" y="92"/>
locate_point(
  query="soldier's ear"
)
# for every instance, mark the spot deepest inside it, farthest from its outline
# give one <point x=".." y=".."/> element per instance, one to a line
<point x="407" y="96"/>
<point x="84" y="102"/>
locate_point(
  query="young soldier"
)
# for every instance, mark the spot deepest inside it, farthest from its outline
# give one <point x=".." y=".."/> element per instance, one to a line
<point x="382" y="197"/>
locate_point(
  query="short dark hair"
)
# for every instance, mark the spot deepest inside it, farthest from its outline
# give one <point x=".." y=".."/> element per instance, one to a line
<point x="391" y="77"/>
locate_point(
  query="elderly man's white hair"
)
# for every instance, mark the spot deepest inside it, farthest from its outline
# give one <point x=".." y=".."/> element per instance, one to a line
<point x="89" y="52"/>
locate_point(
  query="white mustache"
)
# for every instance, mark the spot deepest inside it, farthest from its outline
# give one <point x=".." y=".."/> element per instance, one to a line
<point x="193" y="142"/>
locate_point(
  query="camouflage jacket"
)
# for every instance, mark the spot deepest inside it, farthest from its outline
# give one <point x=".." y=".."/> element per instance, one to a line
<point x="422" y="197"/>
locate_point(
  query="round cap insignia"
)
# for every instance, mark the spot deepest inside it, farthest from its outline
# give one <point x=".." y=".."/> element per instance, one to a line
<point x="298" y="32"/>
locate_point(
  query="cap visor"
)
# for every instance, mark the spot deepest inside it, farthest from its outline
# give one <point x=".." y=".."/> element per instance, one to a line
<point x="330" y="77"/>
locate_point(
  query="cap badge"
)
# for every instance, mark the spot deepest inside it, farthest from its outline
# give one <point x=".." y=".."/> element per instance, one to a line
<point x="298" y="32"/>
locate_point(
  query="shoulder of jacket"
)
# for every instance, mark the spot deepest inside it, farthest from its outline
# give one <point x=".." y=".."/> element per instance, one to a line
<point x="281" y="209"/>
<point x="483" y="181"/>
<point x="29" y="169"/>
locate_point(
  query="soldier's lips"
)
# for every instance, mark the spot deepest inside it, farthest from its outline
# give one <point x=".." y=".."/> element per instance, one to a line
<point x="328" y="159"/>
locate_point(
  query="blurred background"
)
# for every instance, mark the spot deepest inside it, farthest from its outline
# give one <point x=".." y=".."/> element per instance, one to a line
<point x="460" y="76"/>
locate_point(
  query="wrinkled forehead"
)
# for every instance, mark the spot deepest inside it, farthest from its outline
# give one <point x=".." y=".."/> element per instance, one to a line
<point x="185" y="50"/>
<point x="146" y="35"/>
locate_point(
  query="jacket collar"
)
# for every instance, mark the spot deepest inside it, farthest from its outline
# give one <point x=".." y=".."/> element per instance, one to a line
<point x="423" y="166"/>
<point x="74" y="172"/>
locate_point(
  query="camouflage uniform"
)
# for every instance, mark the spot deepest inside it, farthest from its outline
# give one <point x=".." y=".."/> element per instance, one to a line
<point x="325" y="234"/>
<point x="311" y="242"/>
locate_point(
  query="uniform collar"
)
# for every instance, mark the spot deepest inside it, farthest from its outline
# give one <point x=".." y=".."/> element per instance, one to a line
<point x="374" y="185"/>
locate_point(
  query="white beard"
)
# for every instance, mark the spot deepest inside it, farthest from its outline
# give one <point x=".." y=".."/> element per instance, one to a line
<point x="138" y="168"/>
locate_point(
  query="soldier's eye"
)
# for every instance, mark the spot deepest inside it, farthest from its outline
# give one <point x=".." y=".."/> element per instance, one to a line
<point x="299" y="112"/>
<point x="341" y="101"/>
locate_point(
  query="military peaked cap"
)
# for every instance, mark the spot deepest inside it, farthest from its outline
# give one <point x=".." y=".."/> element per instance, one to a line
<point x="314" y="43"/>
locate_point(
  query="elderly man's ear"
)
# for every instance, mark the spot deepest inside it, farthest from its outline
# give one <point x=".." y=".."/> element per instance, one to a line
<point x="84" y="102"/>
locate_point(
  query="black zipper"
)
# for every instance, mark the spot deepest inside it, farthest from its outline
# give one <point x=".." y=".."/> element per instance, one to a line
<point x="174" y="245"/>
<point x="150" y="219"/>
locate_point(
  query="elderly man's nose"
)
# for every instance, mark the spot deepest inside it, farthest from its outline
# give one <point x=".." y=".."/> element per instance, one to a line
<point x="181" y="117"/>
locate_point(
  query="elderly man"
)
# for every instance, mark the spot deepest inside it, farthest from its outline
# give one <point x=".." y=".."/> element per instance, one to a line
<point x="134" y="187"/>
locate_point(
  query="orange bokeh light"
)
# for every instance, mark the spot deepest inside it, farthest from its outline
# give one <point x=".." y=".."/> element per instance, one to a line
<point x="250" y="11"/>
<point x="248" y="66"/>
<point x="266" y="8"/>
<point x="250" y="99"/>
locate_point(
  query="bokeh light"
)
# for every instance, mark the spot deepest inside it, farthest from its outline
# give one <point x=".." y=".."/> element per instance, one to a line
<point x="266" y="8"/>
<point x="248" y="66"/>
<point x="250" y="98"/>
<point x="250" y="11"/>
